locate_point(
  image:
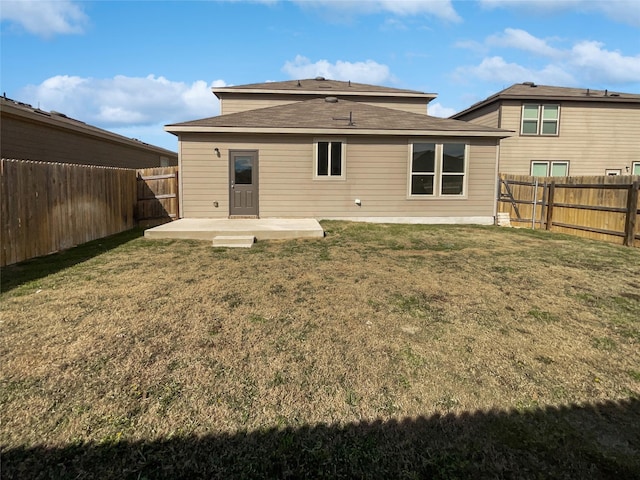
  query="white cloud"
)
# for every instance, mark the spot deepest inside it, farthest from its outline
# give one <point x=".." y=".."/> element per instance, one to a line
<point x="601" y="65"/>
<point x="624" y="11"/>
<point x="45" y="18"/>
<point x="522" y="40"/>
<point x="442" y="9"/>
<point x="437" y="110"/>
<point x="363" y="72"/>
<point x="124" y="101"/>
<point x="497" y="70"/>
<point x="585" y="61"/>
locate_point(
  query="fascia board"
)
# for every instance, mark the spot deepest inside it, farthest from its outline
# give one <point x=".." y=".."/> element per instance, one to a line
<point x="328" y="92"/>
<point x="338" y="131"/>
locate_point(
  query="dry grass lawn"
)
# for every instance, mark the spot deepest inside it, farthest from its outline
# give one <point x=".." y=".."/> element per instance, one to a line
<point x="380" y="351"/>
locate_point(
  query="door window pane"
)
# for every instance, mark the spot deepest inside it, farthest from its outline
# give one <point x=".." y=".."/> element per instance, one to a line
<point x="243" y="168"/>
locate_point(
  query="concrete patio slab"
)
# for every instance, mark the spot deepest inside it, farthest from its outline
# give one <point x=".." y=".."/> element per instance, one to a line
<point x="262" y="228"/>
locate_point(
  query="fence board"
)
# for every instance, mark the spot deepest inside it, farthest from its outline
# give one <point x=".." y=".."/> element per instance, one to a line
<point x="601" y="208"/>
<point x="47" y="207"/>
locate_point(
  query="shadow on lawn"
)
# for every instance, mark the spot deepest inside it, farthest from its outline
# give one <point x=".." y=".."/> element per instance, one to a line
<point x="593" y="441"/>
<point x="13" y="276"/>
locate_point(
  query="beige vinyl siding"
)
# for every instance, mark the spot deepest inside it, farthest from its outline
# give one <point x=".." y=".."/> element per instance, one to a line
<point x="489" y="116"/>
<point x="592" y="137"/>
<point x="376" y="173"/>
<point x="24" y="139"/>
<point x="412" y="105"/>
<point x="242" y="102"/>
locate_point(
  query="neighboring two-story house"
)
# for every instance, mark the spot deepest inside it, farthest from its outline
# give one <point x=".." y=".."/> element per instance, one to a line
<point x="563" y="131"/>
<point x="29" y="133"/>
<point x="335" y="150"/>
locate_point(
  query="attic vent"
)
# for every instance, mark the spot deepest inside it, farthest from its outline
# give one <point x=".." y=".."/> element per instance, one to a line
<point x="530" y="84"/>
<point x="331" y="99"/>
<point x="320" y="79"/>
<point x="614" y="94"/>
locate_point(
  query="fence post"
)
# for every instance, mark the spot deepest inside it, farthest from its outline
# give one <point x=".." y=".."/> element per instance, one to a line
<point x="552" y="191"/>
<point x="632" y="214"/>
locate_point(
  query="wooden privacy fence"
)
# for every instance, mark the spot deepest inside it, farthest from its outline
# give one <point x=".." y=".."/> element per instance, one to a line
<point x="603" y="208"/>
<point x="157" y="191"/>
<point x="47" y="207"/>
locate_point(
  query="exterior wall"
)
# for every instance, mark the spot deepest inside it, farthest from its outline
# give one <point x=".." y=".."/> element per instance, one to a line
<point x="489" y="116"/>
<point x="377" y="172"/>
<point x="243" y="102"/>
<point x="27" y="140"/>
<point x="593" y="137"/>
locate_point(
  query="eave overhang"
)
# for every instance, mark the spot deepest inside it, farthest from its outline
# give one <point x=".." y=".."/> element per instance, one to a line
<point x="177" y="129"/>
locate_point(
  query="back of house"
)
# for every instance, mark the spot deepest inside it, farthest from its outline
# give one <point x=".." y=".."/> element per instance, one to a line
<point x="335" y="150"/>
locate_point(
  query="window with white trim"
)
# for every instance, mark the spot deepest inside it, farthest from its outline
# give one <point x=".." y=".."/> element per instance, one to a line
<point x="635" y="170"/>
<point x="438" y="169"/>
<point x="540" y="119"/>
<point x="549" y="168"/>
<point x="329" y="158"/>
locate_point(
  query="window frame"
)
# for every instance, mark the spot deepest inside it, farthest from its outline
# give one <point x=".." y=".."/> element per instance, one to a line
<point x="343" y="159"/>
<point x="540" y="120"/>
<point x="438" y="173"/>
<point x="635" y="166"/>
<point x="549" y="167"/>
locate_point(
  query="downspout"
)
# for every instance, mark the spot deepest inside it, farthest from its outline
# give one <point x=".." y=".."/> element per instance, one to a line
<point x="180" y="179"/>
<point x="496" y="184"/>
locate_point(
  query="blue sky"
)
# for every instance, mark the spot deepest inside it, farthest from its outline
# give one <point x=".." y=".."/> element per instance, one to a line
<point x="133" y="67"/>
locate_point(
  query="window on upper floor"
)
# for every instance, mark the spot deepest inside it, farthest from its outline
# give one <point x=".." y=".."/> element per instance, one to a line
<point x="329" y="158"/>
<point x="540" y="119"/>
<point x="438" y="169"/>
<point x="545" y="168"/>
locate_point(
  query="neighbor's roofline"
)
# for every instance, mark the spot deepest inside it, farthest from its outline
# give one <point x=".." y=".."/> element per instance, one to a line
<point x="327" y="92"/>
<point x="57" y="120"/>
<point x="554" y="98"/>
<point x="337" y="131"/>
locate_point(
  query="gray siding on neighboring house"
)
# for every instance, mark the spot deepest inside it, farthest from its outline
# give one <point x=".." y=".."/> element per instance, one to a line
<point x="376" y="172"/>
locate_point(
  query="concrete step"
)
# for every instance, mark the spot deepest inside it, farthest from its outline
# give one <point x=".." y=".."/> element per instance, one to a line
<point x="234" y="241"/>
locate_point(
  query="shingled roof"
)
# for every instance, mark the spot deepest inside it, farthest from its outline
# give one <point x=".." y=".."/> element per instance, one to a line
<point x="334" y="116"/>
<point x="323" y="86"/>
<point x="533" y="92"/>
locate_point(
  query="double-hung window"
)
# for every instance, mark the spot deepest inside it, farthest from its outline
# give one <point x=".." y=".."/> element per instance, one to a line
<point x="546" y="168"/>
<point x="438" y="169"/>
<point x="540" y="119"/>
<point x="329" y="158"/>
